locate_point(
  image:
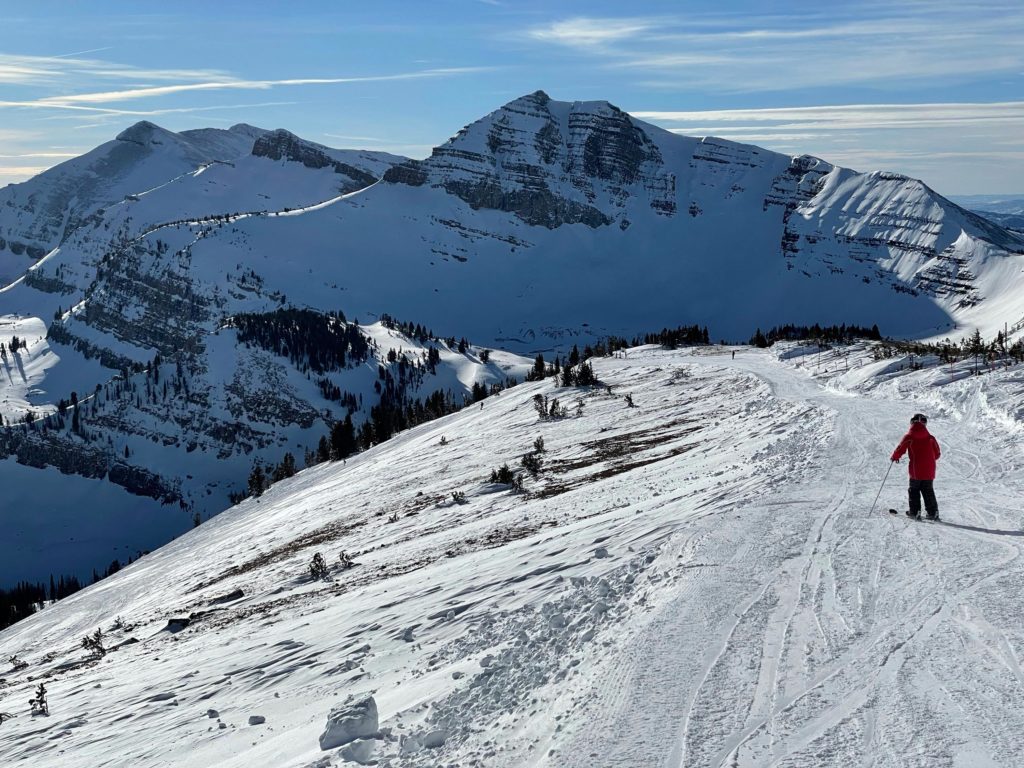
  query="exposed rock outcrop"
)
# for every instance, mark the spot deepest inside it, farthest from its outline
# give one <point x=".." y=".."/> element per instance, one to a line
<point x="549" y="163"/>
<point x="282" y="145"/>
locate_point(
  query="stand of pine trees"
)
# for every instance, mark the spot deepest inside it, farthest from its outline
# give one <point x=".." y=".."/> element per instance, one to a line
<point x="24" y="598"/>
<point x="831" y="334"/>
<point x="311" y="340"/>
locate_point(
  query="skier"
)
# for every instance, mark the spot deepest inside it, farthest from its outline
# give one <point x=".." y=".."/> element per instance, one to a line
<point x="923" y="450"/>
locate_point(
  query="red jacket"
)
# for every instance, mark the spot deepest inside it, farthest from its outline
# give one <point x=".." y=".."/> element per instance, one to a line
<point x="923" y="450"/>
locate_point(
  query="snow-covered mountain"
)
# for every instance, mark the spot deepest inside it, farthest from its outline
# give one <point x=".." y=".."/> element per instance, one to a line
<point x="541" y="225"/>
<point x="37" y="216"/>
<point x="547" y="222"/>
<point x="695" y="580"/>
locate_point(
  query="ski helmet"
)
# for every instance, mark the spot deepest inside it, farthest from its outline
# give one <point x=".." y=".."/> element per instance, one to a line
<point x="918" y="418"/>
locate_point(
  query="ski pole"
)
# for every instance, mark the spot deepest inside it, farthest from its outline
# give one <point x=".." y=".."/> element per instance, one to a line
<point x="882" y="486"/>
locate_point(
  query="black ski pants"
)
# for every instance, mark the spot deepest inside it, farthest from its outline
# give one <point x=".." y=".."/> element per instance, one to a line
<point x="924" y="488"/>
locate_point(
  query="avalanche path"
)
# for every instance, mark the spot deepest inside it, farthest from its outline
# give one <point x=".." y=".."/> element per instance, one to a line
<point x="810" y="633"/>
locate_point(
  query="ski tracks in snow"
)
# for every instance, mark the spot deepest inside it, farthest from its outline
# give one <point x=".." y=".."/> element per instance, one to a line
<point x="824" y="636"/>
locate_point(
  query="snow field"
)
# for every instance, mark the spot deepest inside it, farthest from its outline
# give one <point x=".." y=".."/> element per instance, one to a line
<point x="696" y="581"/>
<point x="23" y="372"/>
<point x="479" y="621"/>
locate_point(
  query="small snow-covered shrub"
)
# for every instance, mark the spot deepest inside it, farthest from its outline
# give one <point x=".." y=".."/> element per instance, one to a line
<point x="532" y="463"/>
<point x="503" y="475"/>
<point x="318" y="567"/>
<point x="94" y="643"/>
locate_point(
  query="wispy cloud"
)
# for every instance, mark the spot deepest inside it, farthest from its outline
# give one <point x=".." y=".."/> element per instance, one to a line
<point x="845" y="117"/>
<point x="19" y="172"/>
<point x="921" y="140"/>
<point x="129" y="94"/>
<point x="82" y="53"/>
<point x="86" y="102"/>
<point x="590" y="32"/>
<point x="862" y="43"/>
<point x="68" y="69"/>
<point x="39" y="154"/>
<point x="104" y="116"/>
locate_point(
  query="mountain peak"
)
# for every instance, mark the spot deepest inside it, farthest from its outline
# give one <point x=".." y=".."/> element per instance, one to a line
<point x="245" y="129"/>
<point x="143" y="132"/>
<point x="538" y="97"/>
<point x="549" y="162"/>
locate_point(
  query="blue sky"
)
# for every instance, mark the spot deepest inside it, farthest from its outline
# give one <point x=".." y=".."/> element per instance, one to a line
<point x="930" y="88"/>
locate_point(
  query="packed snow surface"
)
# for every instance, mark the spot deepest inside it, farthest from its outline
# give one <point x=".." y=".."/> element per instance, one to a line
<point x="698" y="580"/>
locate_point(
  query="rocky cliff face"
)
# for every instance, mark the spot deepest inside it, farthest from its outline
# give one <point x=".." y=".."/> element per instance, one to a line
<point x="550" y="163"/>
<point x="282" y="145"/>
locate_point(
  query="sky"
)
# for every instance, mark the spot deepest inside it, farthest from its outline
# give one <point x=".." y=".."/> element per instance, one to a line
<point x="929" y="88"/>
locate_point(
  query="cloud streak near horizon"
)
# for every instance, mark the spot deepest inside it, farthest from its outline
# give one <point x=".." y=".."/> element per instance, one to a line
<point x="747" y="53"/>
<point x="870" y="136"/>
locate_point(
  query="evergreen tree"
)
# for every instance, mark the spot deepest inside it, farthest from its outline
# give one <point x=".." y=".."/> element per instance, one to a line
<point x="585" y="375"/>
<point x="343" y="439"/>
<point x="323" y="449"/>
<point x="257" y="481"/>
<point x="538" y="371"/>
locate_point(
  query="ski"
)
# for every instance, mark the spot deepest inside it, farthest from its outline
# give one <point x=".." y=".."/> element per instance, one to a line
<point x="919" y="518"/>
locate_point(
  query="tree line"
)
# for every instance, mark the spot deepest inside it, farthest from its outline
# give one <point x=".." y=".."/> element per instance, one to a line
<point x="23" y="599"/>
<point x="833" y="334"/>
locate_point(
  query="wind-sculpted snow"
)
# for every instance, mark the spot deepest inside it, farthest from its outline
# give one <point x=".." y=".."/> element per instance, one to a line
<point x="696" y="580"/>
<point x="479" y="604"/>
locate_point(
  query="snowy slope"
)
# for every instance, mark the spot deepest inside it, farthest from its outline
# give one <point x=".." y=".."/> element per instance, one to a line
<point x="693" y="581"/>
<point x="37" y="215"/>
<point x="149" y="176"/>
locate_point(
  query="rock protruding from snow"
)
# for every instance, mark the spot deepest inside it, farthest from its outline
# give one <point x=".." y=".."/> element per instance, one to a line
<point x="284" y="145"/>
<point x="350" y="721"/>
<point x="177" y="623"/>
